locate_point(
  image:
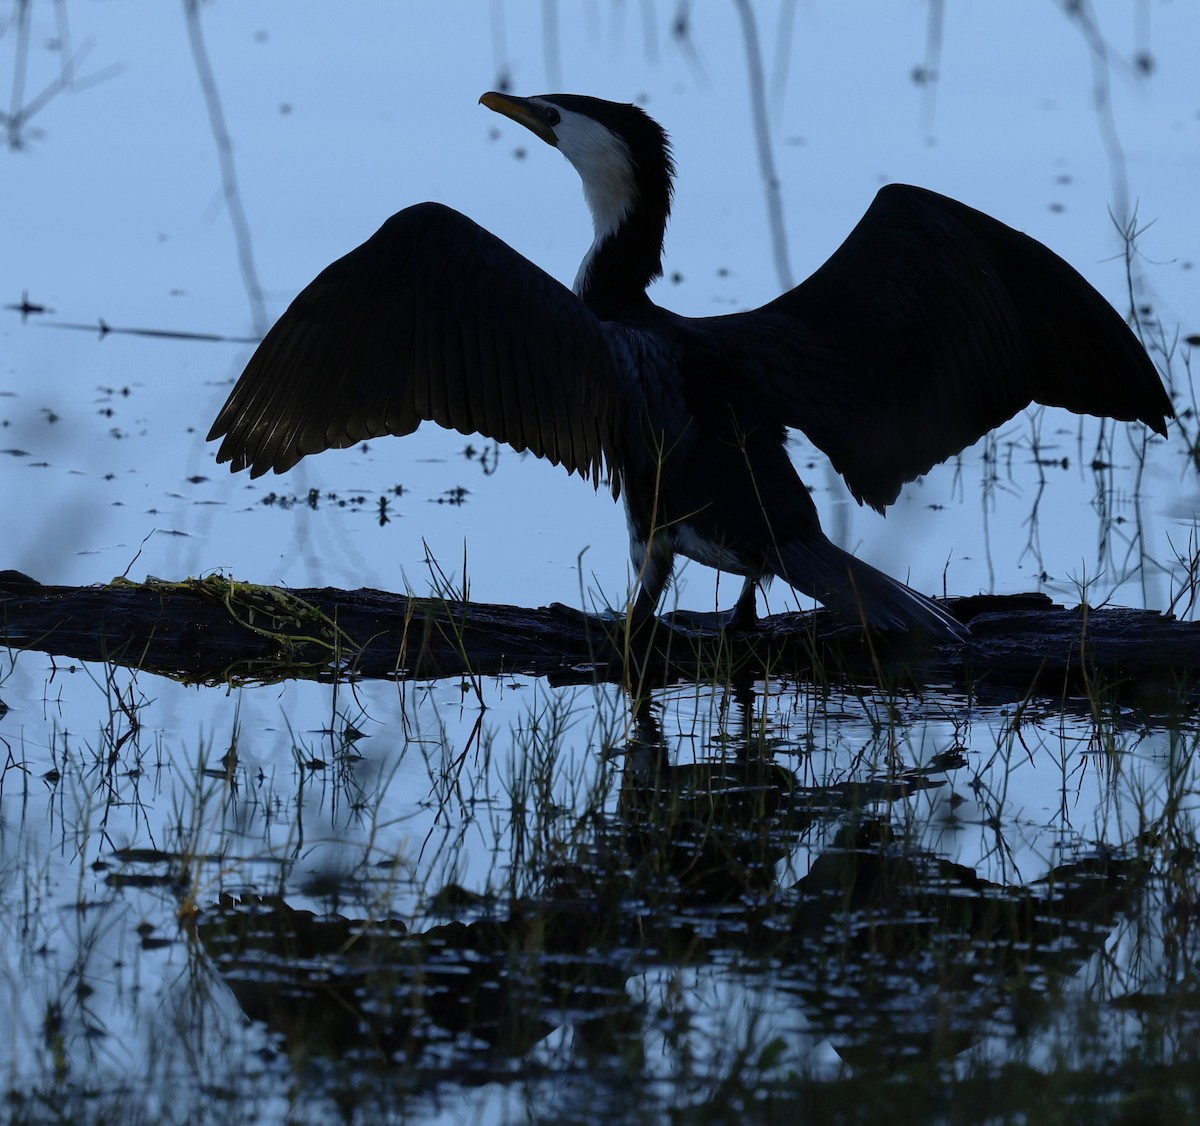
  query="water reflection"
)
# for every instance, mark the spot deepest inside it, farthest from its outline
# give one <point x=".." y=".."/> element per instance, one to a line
<point x="463" y="880"/>
<point x="885" y="945"/>
<point x="889" y="949"/>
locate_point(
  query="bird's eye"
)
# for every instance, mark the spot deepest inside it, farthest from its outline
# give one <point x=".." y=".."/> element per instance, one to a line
<point x="553" y="117"/>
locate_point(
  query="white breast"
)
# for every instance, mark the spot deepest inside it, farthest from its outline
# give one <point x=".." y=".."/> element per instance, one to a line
<point x="711" y="553"/>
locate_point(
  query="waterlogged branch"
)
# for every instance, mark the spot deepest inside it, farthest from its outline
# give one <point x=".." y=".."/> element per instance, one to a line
<point x="217" y="630"/>
<point x="229" y="183"/>
<point x="23" y="106"/>
<point x="762" y="141"/>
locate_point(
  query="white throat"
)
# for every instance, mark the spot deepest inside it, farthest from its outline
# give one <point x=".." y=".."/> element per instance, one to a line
<point x="605" y="165"/>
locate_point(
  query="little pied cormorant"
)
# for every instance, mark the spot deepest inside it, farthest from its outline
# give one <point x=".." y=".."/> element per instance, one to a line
<point x="929" y="326"/>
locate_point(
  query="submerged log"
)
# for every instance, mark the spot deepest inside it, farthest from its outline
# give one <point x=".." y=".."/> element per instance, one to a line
<point x="217" y="630"/>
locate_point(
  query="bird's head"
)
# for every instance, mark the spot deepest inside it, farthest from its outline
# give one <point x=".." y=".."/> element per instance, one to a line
<point x="622" y="154"/>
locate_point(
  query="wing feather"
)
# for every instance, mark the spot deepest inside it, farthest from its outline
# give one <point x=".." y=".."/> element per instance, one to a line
<point x="932" y="324"/>
<point x="431" y="319"/>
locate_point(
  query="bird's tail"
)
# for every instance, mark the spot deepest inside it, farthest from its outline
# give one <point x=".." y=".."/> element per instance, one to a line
<point x="859" y="592"/>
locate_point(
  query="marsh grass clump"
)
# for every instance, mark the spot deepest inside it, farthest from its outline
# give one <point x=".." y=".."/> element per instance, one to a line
<point x="305" y="639"/>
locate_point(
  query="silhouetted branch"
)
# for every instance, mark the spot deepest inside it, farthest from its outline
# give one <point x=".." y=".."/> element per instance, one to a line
<point x="784" y="34"/>
<point x="102" y="328"/>
<point x="24" y="107"/>
<point x="1102" y="59"/>
<point x="233" y="198"/>
<point x="551" y="45"/>
<point x="762" y="141"/>
<point x="928" y="74"/>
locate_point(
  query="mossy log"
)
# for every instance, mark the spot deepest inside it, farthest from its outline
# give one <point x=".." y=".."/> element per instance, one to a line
<point x="216" y="630"/>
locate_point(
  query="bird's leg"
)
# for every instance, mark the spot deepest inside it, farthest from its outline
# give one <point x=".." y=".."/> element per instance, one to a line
<point x="646" y="637"/>
<point x="654" y="561"/>
<point x="744" y="614"/>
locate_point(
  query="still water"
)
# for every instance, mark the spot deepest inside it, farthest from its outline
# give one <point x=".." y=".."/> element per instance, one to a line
<point x="495" y="898"/>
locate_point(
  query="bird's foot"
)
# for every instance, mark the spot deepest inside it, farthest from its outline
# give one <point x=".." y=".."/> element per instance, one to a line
<point x="715" y="621"/>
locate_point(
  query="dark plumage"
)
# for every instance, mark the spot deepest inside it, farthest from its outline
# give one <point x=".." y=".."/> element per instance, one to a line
<point x="930" y="325"/>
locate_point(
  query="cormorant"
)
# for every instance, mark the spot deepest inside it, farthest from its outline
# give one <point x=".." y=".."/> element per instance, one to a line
<point x="929" y="326"/>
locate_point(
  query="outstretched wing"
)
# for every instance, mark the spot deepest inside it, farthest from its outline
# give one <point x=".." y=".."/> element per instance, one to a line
<point x="432" y="318"/>
<point x="929" y="326"/>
